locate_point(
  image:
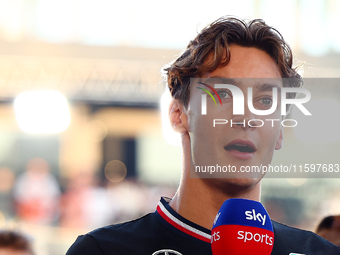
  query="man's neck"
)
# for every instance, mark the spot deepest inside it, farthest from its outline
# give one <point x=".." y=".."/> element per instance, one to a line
<point x="199" y="200"/>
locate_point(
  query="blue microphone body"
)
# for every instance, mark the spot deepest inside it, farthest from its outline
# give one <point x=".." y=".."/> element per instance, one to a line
<point x="242" y="227"/>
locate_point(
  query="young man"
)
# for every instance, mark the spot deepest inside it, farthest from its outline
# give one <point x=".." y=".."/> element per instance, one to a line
<point x="227" y="49"/>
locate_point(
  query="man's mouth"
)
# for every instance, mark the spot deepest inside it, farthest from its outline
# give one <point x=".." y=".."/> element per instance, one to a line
<point x="239" y="147"/>
<point x="243" y="146"/>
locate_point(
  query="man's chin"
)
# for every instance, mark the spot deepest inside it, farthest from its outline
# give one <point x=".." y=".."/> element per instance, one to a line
<point x="233" y="186"/>
<point x="237" y="175"/>
<point x="242" y="182"/>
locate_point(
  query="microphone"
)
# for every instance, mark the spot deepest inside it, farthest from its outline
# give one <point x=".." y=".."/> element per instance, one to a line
<point x="242" y="227"/>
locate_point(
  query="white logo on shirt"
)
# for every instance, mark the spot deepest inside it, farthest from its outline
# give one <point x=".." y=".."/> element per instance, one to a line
<point x="166" y="252"/>
<point x="296" y="254"/>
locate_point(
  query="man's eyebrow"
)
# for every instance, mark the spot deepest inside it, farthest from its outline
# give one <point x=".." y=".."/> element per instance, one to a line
<point x="267" y="87"/>
<point x="224" y="80"/>
<point x="262" y="86"/>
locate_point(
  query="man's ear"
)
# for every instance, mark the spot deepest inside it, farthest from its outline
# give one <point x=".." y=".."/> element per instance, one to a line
<point x="178" y="116"/>
<point x="279" y="141"/>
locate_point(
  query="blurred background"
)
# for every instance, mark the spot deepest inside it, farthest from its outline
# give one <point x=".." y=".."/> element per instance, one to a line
<point x="83" y="135"/>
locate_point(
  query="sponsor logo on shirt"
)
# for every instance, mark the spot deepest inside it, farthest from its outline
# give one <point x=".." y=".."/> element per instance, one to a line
<point x="166" y="252"/>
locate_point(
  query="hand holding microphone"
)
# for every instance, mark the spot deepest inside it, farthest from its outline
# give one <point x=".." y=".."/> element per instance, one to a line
<point x="242" y="227"/>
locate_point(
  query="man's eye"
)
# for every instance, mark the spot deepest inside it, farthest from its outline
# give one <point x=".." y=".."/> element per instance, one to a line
<point x="266" y="101"/>
<point x="223" y="94"/>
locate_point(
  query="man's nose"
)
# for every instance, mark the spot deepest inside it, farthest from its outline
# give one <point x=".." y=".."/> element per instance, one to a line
<point x="246" y="121"/>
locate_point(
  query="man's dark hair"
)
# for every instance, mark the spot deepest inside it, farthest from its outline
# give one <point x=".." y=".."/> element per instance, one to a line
<point x="326" y="223"/>
<point x="329" y="228"/>
<point x="15" y="241"/>
<point x="215" y="40"/>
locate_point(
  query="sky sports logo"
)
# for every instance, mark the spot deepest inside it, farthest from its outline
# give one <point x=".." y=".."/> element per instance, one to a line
<point x="234" y="93"/>
<point x="241" y="226"/>
<point x="247" y="236"/>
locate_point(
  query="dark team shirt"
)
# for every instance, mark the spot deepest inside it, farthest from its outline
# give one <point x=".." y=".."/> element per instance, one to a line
<point x="165" y="232"/>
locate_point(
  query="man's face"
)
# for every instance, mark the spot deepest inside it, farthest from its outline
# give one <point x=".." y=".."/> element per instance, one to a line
<point x="237" y="145"/>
